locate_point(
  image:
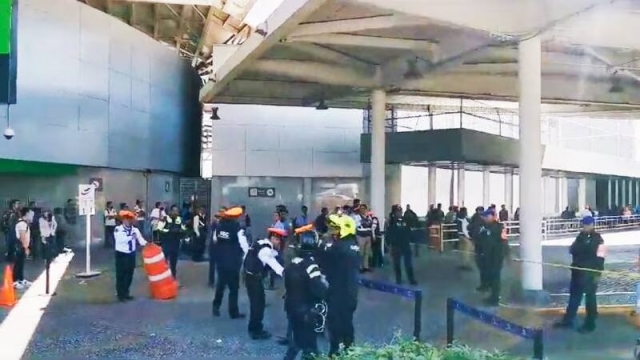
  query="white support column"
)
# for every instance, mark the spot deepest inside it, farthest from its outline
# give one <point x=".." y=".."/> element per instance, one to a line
<point x="306" y="192"/>
<point x="582" y="193"/>
<point x="558" y="183"/>
<point x="431" y="186"/>
<point x="486" y="188"/>
<point x="461" y="188"/>
<point x="530" y="85"/>
<point x="508" y="191"/>
<point x="609" y="194"/>
<point x="637" y="193"/>
<point x="630" y="192"/>
<point x="378" y="107"/>
<point x="564" y="192"/>
<point x="623" y="189"/>
<point x="616" y="196"/>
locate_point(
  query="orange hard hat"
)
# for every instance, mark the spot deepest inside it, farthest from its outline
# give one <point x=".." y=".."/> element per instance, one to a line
<point x="233" y="212"/>
<point x="303" y="229"/>
<point x="276" y="231"/>
<point x="126" y="214"/>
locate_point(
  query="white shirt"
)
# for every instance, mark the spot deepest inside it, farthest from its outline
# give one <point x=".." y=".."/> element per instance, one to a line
<point x="127" y="239"/>
<point x="21" y="226"/>
<point x="268" y="257"/>
<point x="47" y="228"/>
<point x="112" y="221"/>
<point x="155" y="217"/>
<point x="139" y="212"/>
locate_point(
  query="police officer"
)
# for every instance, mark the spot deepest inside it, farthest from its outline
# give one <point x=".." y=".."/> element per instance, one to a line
<point x="492" y="239"/>
<point x="342" y="268"/>
<point x="400" y="234"/>
<point x="199" y="242"/>
<point x="171" y="229"/>
<point x="306" y="289"/>
<point x="231" y="245"/>
<point x="588" y="252"/>
<point x="212" y="246"/>
<point x="260" y="258"/>
<point x="126" y="239"/>
<point x="475" y="225"/>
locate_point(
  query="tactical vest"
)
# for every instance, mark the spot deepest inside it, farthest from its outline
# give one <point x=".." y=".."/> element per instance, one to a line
<point x="252" y="263"/>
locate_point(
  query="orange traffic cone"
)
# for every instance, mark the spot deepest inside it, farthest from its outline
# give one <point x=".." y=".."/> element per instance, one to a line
<point x="7" y="293"/>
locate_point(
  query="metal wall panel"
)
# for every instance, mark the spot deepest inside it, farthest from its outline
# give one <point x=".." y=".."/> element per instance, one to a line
<point x="94" y="91"/>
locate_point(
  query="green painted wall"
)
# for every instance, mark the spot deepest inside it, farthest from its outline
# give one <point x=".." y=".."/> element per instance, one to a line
<point x="18" y="167"/>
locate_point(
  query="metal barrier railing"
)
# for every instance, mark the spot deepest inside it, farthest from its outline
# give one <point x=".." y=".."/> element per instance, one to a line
<point x="438" y="235"/>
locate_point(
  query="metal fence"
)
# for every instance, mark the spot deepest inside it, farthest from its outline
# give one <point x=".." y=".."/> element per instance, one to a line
<point x="437" y="235"/>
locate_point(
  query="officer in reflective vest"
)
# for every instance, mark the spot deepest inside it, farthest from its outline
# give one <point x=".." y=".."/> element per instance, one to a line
<point x="341" y="263"/>
<point x="588" y="252"/>
<point x="171" y="229"/>
<point x="260" y="257"/>
<point x="306" y="289"/>
<point x="231" y="245"/>
<point x="126" y="240"/>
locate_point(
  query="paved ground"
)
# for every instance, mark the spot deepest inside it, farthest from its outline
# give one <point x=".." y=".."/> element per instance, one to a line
<point x="85" y="322"/>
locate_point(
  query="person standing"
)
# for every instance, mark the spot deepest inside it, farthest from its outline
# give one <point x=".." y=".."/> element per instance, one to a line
<point x="23" y="238"/>
<point x="47" y="226"/>
<point x="301" y="220"/>
<point x="306" y="288"/>
<point x="212" y="246"/>
<point x="231" y="245"/>
<point x="474" y="228"/>
<point x="363" y="235"/>
<point x="466" y="246"/>
<point x="377" y="252"/>
<point x="260" y="258"/>
<point x="7" y="225"/>
<point x="493" y="239"/>
<point x="141" y="216"/>
<point x="341" y="261"/>
<point x="110" y="215"/>
<point x="399" y="235"/>
<point x="127" y="238"/>
<point x="172" y="229"/>
<point x="588" y="252"/>
<point x="199" y="242"/>
<point x="156" y="215"/>
<point x="62" y="229"/>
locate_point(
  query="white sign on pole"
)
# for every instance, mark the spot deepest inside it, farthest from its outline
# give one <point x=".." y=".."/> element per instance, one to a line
<point x="86" y="199"/>
<point x="87" y="207"/>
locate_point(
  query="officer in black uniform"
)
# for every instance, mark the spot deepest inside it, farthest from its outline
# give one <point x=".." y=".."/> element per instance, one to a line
<point x="259" y="259"/>
<point x="588" y="252"/>
<point x="172" y="230"/>
<point x="475" y="225"/>
<point x="342" y="267"/>
<point x="306" y="289"/>
<point x="231" y="245"/>
<point x="212" y="246"/>
<point x="492" y="240"/>
<point x="399" y="235"/>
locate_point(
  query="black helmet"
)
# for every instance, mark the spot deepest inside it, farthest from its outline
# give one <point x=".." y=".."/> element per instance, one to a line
<point x="309" y="239"/>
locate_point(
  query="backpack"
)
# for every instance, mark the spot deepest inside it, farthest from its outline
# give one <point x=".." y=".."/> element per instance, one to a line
<point x="5" y="222"/>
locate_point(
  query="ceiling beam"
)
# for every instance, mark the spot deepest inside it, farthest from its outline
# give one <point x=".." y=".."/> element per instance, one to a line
<point x="366" y="41"/>
<point x="360" y="24"/>
<point x="283" y="20"/>
<point x="187" y="11"/>
<point x="204" y="34"/>
<point x="315" y="72"/>
<point x="326" y="54"/>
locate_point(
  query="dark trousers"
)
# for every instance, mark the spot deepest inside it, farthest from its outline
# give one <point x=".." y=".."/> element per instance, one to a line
<point x="272" y="274"/>
<point x="109" y="239"/>
<point x="10" y="243"/>
<point x="171" y="250"/>
<point x="227" y="278"/>
<point x="482" y="270"/>
<point x="400" y="253"/>
<point x="60" y="241"/>
<point x="198" y="246"/>
<point x="340" y="327"/>
<point x="582" y="284"/>
<point x="493" y="273"/>
<point x="18" y="264"/>
<point x="377" y="256"/>
<point x="304" y="338"/>
<point x="212" y="264"/>
<point x="125" y="265"/>
<point x="35" y="244"/>
<point x="255" y="292"/>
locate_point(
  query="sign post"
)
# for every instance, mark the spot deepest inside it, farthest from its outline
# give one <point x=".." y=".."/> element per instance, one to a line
<point x="87" y="207"/>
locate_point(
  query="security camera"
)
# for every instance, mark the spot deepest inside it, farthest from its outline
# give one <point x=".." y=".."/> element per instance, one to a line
<point x="9" y="133"/>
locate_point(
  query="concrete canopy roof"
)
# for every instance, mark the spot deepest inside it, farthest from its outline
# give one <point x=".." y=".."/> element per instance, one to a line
<point x="338" y="50"/>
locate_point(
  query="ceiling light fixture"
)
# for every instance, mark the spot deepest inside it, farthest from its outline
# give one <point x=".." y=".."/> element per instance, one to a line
<point x="412" y="70"/>
<point x="214" y="113"/>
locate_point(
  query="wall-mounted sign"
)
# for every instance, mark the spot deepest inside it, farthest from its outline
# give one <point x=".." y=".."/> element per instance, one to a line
<point x="97" y="183"/>
<point x="262" y="192"/>
<point x="167" y="186"/>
